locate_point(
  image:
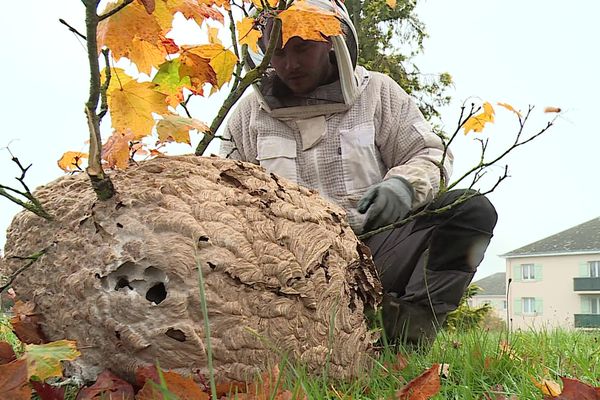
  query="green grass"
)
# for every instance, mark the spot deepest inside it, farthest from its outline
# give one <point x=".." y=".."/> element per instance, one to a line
<point x="479" y="364"/>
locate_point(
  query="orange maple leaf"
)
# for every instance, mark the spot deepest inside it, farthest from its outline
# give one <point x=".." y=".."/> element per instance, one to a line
<point x="192" y="9"/>
<point x="247" y="34"/>
<point x="198" y="69"/>
<point x="184" y="388"/>
<point x="148" y="5"/>
<point x="71" y="161"/>
<point x="548" y="387"/>
<point x="118" y="31"/>
<point x="270" y="3"/>
<point x="174" y="128"/>
<point x="477" y="122"/>
<point x="308" y="22"/>
<point x="26" y="323"/>
<point x="146" y="55"/>
<point x="222" y="60"/>
<point x="510" y="108"/>
<point x="14" y="381"/>
<point x="423" y="387"/>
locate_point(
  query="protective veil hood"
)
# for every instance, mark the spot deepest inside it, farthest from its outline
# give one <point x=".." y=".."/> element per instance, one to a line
<point x="331" y="98"/>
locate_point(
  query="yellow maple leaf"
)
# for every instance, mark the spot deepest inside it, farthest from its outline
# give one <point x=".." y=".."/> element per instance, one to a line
<point x="391" y="3"/>
<point x="308" y="22"/>
<point x="118" y="31"/>
<point x="174" y="128"/>
<point x="548" y="387"/>
<point x="247" y="34"/>
<point x="43" y="360"/>
<point x="71" y="161"/>
<point x="213" y="35"/>
<point x="198" y="69"/>
<point x="477" y="122"/>
<point x="510" y="108"/>
<point x="131" y="104"/>
<point x="146" y="55"/>
<point x="222" y="60"/>
<point x="271" y="3"/>
<point x="115" y="152"/>
<point x="194" y="10"/>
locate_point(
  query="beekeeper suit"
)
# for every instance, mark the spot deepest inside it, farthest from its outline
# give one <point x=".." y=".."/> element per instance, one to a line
<point x="355" y="136"/>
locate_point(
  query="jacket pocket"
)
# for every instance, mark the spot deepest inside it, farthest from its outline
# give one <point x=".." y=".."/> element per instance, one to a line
<point x="360" y="157"/>
<point x="277" y="155"/>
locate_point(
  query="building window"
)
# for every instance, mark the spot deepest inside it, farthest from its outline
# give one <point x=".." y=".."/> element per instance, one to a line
<point x="594" y="267"/>
<point x="595" y="305"/>
<point x="528" y="271"/>
<point x="528" y="305"/>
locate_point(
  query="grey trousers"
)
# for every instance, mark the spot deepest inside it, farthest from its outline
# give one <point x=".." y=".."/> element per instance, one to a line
<point x="426" y="265"/>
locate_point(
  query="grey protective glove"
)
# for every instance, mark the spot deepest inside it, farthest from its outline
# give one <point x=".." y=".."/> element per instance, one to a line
<point x="386" y="203"/>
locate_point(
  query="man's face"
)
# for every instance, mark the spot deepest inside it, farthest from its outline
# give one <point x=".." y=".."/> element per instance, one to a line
<point x="303" y="64"/>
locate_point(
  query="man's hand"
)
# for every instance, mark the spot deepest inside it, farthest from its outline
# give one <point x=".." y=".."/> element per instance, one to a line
<point x="386" y="203"/>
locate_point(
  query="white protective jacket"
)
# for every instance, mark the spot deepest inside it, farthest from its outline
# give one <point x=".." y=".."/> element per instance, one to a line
<point x="370" y="131"/>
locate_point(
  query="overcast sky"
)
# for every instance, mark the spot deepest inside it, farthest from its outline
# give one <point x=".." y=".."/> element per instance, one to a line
<point x="534" y="52"/>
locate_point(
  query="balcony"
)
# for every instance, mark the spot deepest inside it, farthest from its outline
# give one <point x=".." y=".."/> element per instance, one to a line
<point x="587" y="320"/>
<point x="586" y="284"/>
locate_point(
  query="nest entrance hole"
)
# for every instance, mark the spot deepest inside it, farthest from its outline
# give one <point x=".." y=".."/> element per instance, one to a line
<point x="149" y="282"/>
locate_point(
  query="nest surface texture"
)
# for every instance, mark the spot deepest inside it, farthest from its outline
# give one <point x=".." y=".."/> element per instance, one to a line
<point x="285" y="276"/>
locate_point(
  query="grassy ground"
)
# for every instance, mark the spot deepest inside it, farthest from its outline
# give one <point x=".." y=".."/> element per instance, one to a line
<point x="479" y="362"/>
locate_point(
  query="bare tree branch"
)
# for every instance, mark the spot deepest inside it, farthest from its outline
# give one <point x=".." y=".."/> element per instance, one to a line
<point x="115" y="10"/>
<point x="75" y="31"/>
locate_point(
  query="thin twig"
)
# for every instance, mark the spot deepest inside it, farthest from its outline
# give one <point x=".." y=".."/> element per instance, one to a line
<point x="32" y="259"/>
<point x="115" y="10"/>
<point x="75" y="31"/>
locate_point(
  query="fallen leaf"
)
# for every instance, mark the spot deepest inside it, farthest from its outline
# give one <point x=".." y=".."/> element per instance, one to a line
<point x="423" y="387"/>
<point x="444" y="371"/>
<point x="308" y="22"/>
<point x="14" y="381"/>
<point x="576" y="390"/>
<point x="183" y="387"/>
<point x="248" y="34"/>
<point x="174" y="128"/>
<point x="399" y="364"/>
<point x="477" y="122"/>
<point x="108" y="386"/>
<point x="498" y="393"/>
<point x="391" y="3"/>
<point x="71" y="161"/>
<point x="7" y="354"/>
<point x="509" y="108"/>
<point x="46" y="391"/>
<point x="26" y="323"/>
<point x="132" y="103"/>
<point x="116" y="150"/>
<point x="44" y="360"/>
<point x="552" y="109"/>
<point x="548" y="387"/>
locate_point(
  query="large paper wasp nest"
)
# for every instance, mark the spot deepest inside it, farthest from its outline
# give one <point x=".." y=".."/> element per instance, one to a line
<point x="284" y="274"/>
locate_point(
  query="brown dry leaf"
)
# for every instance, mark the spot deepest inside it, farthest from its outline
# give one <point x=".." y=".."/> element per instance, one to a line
<point x="148" y="5"/>
<point x="509" y="108"/>
<point x="26" y="323"/>
<point x="71" y="161"/>
<point x="183" y="387"/>
<point x="174" y="128"/>
<point x="267" y="388"/>
<point x="423" y="387"/>
<point x="46" y="391"/>
<point x="308" y="22"/>
<point x="247" y="34"/>
<point x="498" y="393"/>
<point x="552" y="109"/>
<point x="116" y="150"/>
<point x="118" y="31"/>
<point x="132" y="103"/>
<point x="7" y="354"/>
<point x="548" y="387"/>
<point x="14" y="381"/>
<point x="477" y="122"/>
<point x="399" y="364"/>
<point x="506" y="349"/>
<point x="576" y="390"/>
<point x="107" y="386"/>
